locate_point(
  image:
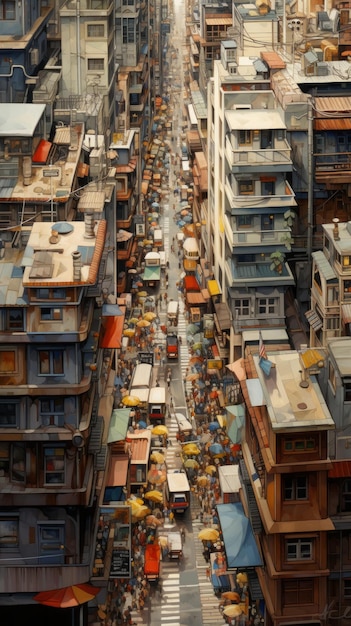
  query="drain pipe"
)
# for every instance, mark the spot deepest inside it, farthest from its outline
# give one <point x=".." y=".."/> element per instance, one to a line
<point x="79" y="78"/>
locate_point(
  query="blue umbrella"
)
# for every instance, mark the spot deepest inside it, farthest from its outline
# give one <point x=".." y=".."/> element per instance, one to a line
<point x="142" y="424"/>
<point x="213" y="426"/>
<point x="216" y="448"/>
<point x="187" y="218"/>
<point x="181" y="223"/>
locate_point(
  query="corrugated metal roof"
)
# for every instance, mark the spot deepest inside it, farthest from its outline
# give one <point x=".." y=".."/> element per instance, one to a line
<point x="334" y="104"/>
<point x="314" y="319"/>
<point x="340" y="469"/>
<point x="260" y="66"/>
<point x="219" y="21"/>
<point x="324" y="265"/>
<point x="7" y="186"/>
<point x="332" y="124"/>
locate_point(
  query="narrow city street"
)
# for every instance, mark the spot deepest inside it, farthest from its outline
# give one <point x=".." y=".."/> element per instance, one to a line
<point x="187" y="595"/>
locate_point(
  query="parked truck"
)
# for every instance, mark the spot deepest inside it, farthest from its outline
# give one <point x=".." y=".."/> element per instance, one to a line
<point x="177" y="491"/>
<point x="172" y="542"/>
<point x="152" y="562"/>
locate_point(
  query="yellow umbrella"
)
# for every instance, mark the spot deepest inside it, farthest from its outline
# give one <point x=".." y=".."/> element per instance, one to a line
<point x="157" y="457"/>
<point x="150" y="316"/>
<point x="160" y="430"/>
<point x="133" y="320"/>
<point x="130" y="400"/>
<point x="191" y="450"/>
<point x="208" y="534"/>
<point x="154" y="496"/>
<point x="232" y="610"/>
<point x="143" y="324"/>
<point x="210" y="469"/>
<point x="191" y="463"/>
<point x="141" y="512"/>
<point x="129" y="332"/>
<point x="202" y="481"/>
<point x="135" y="506"/>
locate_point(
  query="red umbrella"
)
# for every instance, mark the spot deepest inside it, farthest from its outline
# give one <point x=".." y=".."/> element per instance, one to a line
<point x="67" y="597"/>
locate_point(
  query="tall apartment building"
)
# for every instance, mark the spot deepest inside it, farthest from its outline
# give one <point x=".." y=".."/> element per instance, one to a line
<point x="250" y="201"/>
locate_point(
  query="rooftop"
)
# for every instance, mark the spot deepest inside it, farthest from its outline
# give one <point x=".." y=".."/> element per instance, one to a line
<point x="289" y="405"/>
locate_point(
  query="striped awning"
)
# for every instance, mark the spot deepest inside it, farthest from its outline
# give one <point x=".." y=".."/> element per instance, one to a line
<point x="314" y="319"/>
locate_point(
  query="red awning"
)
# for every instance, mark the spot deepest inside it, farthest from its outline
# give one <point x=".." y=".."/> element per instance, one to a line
<point x="112" y="332"/>
<point x="191" y="284"/>
<point x="340" y="469"/>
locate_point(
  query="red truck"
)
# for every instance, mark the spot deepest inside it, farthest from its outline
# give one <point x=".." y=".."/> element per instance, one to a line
<point x="172" y="346"/>
<point x="152" y="562"/>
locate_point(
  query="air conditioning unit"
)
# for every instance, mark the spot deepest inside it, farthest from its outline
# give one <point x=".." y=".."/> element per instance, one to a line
<point x="34" y="56"/>
<point x="322" y="69"/>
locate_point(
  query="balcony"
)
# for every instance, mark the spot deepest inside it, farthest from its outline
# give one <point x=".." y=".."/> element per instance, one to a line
<point x="264" y="159"/>
<point x="252" y="238"/>
<point x="240" y="202"/>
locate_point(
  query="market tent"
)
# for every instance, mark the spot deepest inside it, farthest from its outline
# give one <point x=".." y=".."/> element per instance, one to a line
<point x="118" y="425"/>
<point x="239" y="541"/>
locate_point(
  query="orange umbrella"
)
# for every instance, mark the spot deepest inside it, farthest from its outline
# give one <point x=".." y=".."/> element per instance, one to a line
<point x="67" y="597"/>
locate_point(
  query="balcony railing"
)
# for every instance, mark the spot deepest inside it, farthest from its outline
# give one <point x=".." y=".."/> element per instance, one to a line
<point x="250" y="156"/>
<point x="259" y="237"/>
<point x="332" y="162"/>
<point x="251" y="200"/>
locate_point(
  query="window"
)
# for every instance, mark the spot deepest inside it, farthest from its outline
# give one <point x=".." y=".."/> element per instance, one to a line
<point x="245" y="137"/>
<point x="268" y="188"/>
<point x="9" y="526"/>
<point x="51" y="542"/>
<point x="346" y="495"/>
<point x="96" y="65"/>
<point x="8" y="362"/>
<point x="14" y="319"/>
<point x="51" y="294"/>
<point x="299" y="549"/>
<point x="50" y="362"/>
<point x="295" y="488"/>
<point x="95" y="31"/>
<point x="299" y="445"/>
<point x="128" y="30"/>
<point x="242" y="307"/>
<point x="266" y="306"/>
<point x="4" y="461"/>
<point x="18" y="463"/>
<point x="7" y="10"/>
<point x="347" y="389"/>
<point x="54" y="466"/>
<point x="9" y="412"/>
<point x="347" y="587"/>
<point x="297" y="591"/>
<point x="267" y="222"/>
<point x="345" y="260"/>
<point x="51" y="412"/>
<point x="245" y="187"/>
<point x="50" y="314"/>
<point x="244" y="221"/>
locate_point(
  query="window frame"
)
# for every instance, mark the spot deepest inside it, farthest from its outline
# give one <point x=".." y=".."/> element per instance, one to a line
<point x="16" y="405"/>
<point x="14" y="325"/>
<point x="299" y="543"/>
<point x="51" y="360"/>
<point x="295" y="488"/>
<point x="51" y="314"/>
<point x="8" y="10"/>
<point x="53" y="416"/>
<point x="98" y="61"/>
<point x="50" y="454"/>
<point x="10" y="520"/>
<point x="14" y="361"/>
<point x="94" y="26"/>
